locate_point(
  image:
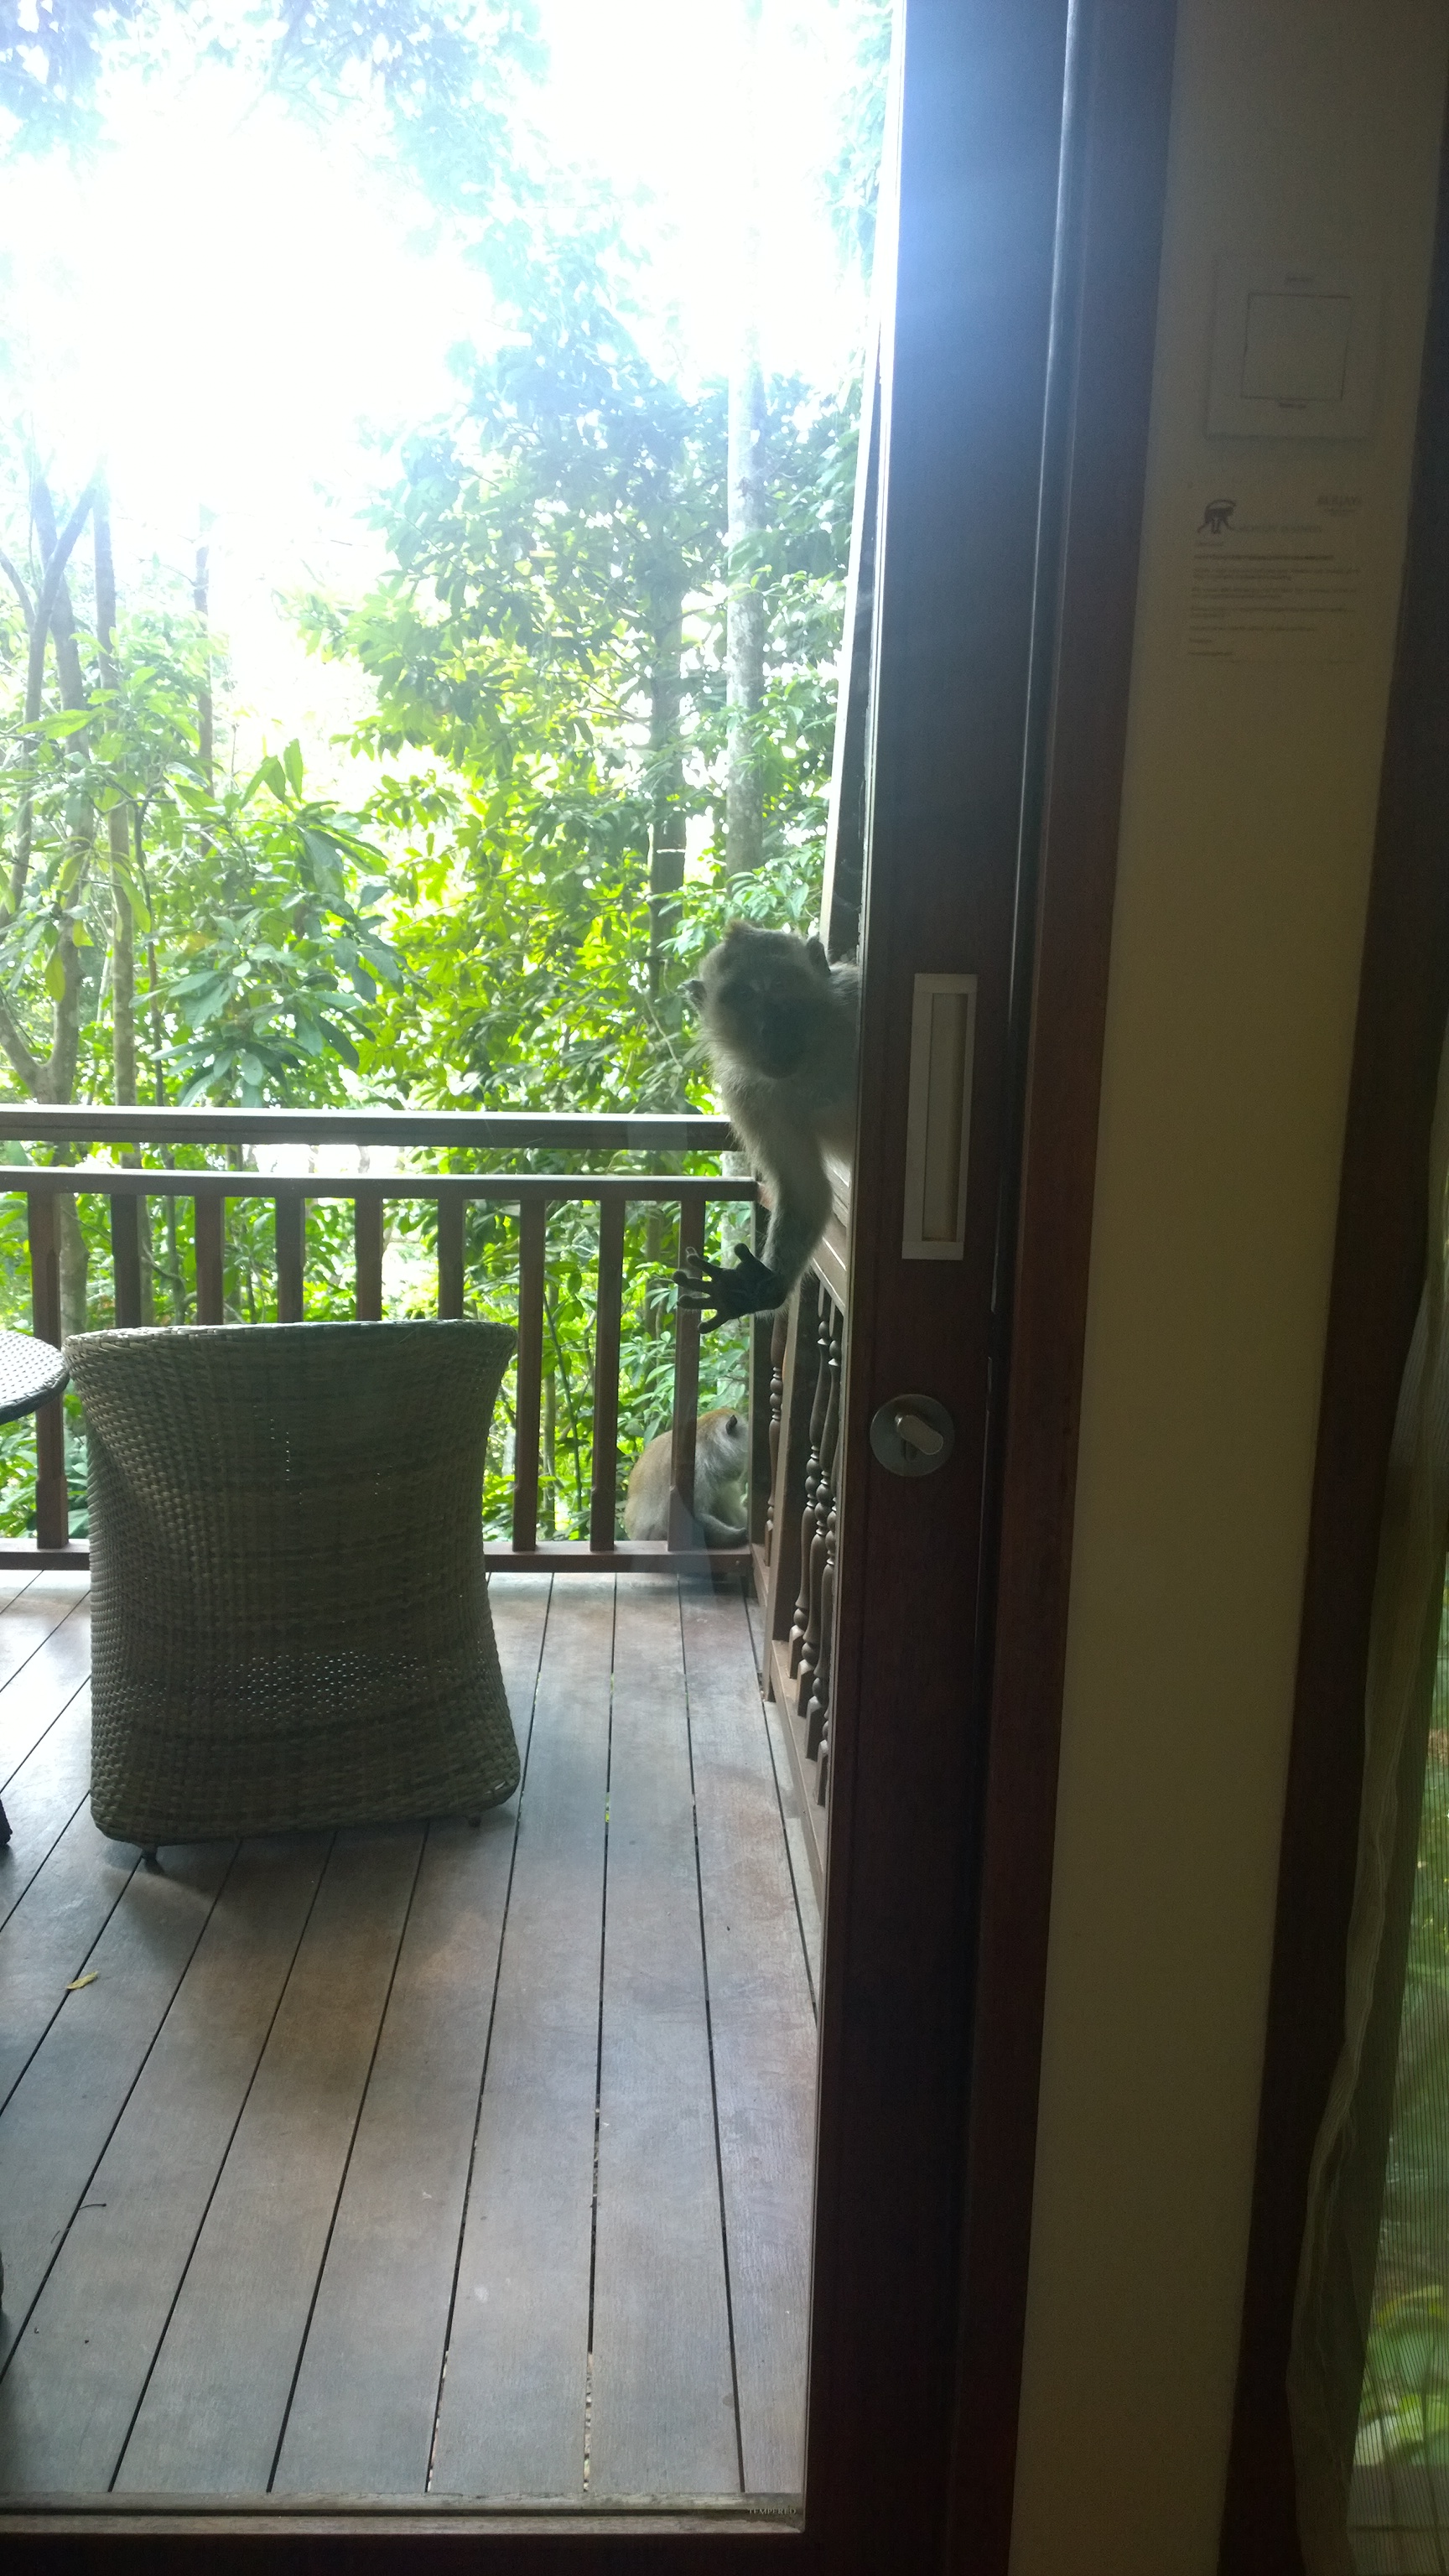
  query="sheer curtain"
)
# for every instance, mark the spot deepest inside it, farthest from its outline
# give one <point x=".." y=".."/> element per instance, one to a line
<point x="1368" y="2380"/>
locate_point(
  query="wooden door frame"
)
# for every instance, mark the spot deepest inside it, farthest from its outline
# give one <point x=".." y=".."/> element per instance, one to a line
<point x="940" y="1872"/>
<point x="1104" y="340"/>
<point x="1378" y="1272"/>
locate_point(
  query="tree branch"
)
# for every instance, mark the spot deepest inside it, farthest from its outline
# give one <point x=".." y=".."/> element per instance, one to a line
<point x="13" y="1042"/>
<point x="50" y="589"/>
<point x="17" y="584"/>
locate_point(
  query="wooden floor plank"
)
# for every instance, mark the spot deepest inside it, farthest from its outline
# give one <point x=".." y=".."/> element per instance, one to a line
<point x="27" y="1621"/>
<point x="59" y="2118"/>
<point x="361" y="2420"/>
<point x="42" y="1796"/>
<point x="511" y="2420"/>
<point x="801" y="1873"/>
<point x="214" y="2409"/>
<point x="764" y="2036"/>
<point x="48" y="1937"/>
<point x="316" y="2122"/>
<point x="663" y="2399"/>
<point x="76" y="2377"/>
<point x="42" y="1686"/>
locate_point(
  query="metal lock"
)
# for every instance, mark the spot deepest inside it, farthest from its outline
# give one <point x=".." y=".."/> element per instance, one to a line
<point x="913" y="1435"/>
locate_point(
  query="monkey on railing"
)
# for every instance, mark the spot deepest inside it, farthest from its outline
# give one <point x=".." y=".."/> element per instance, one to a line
<point x="781" y="1025"/>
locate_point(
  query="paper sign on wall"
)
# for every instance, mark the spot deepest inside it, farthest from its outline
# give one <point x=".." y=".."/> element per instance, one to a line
<point x="1275" y="571"/>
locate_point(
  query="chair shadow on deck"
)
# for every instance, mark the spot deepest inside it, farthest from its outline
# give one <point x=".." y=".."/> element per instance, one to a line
<point x="417" y="2159"/>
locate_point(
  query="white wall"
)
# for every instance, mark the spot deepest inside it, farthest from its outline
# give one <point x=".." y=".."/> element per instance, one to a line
<point x="1302" y="129"/>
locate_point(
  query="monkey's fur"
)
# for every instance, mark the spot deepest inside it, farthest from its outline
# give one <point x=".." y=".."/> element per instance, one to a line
<point x="721" y="1463"/>
<point x="781" y="1025"/>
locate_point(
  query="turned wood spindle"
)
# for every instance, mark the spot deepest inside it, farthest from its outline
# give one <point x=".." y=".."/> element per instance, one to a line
<point x="801" y="1621"/>
<point x="778" y="1339"/>
<point x="810" y="1647"/>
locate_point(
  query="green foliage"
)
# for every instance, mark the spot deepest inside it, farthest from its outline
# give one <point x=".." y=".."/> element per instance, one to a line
<point x="1406" y="2381"/>
<point x="501" y="923"/>
<point x="439" y="77"/>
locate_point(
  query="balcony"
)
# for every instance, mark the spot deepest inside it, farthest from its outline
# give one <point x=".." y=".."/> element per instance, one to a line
<point x="438" y="2167"/>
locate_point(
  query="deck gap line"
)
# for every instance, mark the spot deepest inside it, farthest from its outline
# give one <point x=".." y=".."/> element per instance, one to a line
<point x="724" y="2228"/>
<point x="789" y="1850"/>
<point x="42" y="1642"/>
<point x="347" y="2159"/>
<point x="21" y="1893"/>
<point x="222" y="2159"/>
<point x="45" y="1731"/>
<point x="488" y="2040"/>
<point x="599" y="2063"/>
<point x="121" y="2112"/>
<point x="99" y="1936"/>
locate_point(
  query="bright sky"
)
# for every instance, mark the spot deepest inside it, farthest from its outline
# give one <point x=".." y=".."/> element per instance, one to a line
<point x="219" y="304"/>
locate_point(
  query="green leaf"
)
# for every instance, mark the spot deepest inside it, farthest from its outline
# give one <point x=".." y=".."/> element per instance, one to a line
<point x="292" y="763"/>
<point x="55" y="976"/>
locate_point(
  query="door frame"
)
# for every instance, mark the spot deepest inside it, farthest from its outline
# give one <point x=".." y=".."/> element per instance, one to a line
<point x="1015" y="395"/>
<point x="1378" y="1275"/>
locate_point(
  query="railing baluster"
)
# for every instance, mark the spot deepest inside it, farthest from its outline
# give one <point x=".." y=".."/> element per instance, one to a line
<point x="608" y="1316"/>
<point x="126" y="1256"/>
<point x="811" y="1646"/>
<point x="291" y="1236"/>
<point x="52" y="1503"/>
<point x="367" y="1254"/>
<point x="451" y="1212"/>
<point x="813" y="1698"/>
<point x="801" y="1621"/>
<point x="685" y="1419"/>
<point x="759" y="1491"/>
<point x="532" y="1222"/>
<point x="209" y="1218"/>
<point x="778" y="1339"/>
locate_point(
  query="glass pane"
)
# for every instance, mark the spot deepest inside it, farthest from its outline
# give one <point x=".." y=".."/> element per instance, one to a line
<point x="1399" y="2513"/>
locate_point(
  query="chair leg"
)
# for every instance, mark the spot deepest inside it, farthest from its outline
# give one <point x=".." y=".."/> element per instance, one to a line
<point x="474" y="1821"/>
<point x="149" y="1858"/>
<point x="4" y="1823"/>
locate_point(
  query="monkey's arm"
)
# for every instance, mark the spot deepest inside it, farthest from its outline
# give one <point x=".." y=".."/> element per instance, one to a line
<point x="790" y="1153"/>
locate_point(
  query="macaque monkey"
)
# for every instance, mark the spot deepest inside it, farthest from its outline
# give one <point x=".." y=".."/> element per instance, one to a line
<point x="721" y="1464"/>
<point x="780" y="1022"/>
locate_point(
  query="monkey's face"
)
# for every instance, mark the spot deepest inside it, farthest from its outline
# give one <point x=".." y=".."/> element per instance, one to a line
<point x="755" y="998"/>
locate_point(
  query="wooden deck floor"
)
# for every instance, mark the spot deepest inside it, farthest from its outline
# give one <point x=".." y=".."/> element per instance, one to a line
<point x="469" y="2163"/>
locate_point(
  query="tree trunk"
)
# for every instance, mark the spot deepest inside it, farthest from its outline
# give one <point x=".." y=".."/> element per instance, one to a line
<point x="666" y="771"/>
<point x="75" y="1262"/>
<point x="205" y="712"/>
<point x="550" y="1441"/>
<point x="52" y="617"/>
<point x="123" y="930"/>
<point x="745" y="615"/>
<point x="62" y="616"/>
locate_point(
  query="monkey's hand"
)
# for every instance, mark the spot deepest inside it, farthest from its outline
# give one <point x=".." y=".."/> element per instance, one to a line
<point x="721" y="1295"/>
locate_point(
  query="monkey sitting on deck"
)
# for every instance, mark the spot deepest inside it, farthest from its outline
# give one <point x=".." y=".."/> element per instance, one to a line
<point x="781" y="1024"/>
<point x="721" y="1462"/>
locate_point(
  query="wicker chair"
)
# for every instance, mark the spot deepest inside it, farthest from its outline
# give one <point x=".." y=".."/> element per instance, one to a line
<point x="290" y="1617"/>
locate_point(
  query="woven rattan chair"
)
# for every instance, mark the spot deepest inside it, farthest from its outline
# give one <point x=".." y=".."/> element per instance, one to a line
<point x="290" y="1619"/>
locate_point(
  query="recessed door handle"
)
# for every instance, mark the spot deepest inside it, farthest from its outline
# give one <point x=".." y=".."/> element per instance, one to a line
<point x="916" y="1434"/>
<point x="912" y="1435"/>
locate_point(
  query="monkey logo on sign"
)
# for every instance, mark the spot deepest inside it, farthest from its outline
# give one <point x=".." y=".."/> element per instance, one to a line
<point x="1215" y="518"/>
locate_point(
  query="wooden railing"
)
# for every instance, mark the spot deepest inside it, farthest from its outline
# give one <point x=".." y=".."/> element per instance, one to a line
<point x="795" y="1546"/>
<point x="126" y="1187"/>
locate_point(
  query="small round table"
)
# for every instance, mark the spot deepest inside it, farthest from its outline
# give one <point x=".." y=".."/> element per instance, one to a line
<point x="31" y="1372"/>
